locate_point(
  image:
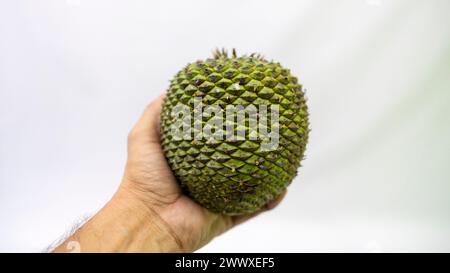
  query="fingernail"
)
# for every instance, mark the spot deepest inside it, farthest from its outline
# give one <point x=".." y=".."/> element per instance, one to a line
<point x="272" y="204"/>
<point x="276" y="201"/>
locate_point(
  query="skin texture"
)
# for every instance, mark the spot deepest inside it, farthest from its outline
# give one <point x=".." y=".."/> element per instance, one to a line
<point x="149" y="213"/>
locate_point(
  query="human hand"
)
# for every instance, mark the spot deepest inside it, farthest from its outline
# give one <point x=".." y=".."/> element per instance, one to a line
<point x="149" y="208"/>
<point x="149" y="178"/>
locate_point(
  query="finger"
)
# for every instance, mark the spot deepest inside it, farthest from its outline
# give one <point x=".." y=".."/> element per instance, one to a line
<point x="147" y="128"/>
<point x="269" y="206"/>
<point x="275" y="202"/>
<point x="237" y="220"/>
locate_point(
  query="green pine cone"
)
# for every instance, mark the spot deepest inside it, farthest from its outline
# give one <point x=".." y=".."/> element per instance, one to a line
<point x="226" y="163"/>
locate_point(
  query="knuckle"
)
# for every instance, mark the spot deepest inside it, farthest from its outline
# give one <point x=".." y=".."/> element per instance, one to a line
<point x="132" y="135"/>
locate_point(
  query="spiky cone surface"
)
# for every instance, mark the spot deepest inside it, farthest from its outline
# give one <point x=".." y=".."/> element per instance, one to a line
<point x="235" y="176"/>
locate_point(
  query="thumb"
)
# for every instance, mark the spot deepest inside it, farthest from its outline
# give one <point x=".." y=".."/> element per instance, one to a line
<point x="146" y="130"/>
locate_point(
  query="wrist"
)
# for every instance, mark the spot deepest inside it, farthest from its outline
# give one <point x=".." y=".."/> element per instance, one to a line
<point x="146" y="230"/>
<point x="124" y="224"/>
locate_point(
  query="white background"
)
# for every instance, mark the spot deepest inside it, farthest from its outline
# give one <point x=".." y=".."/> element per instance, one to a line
<point x="75" y="75"/>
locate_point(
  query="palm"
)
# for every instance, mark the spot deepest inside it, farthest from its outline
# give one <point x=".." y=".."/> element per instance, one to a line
<point x="148" y="173"/>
